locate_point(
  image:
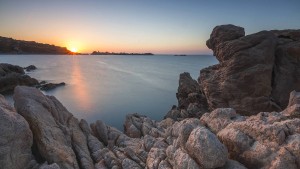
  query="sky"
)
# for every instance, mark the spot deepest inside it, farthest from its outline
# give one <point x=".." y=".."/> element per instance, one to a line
<point x="156" y="26"/>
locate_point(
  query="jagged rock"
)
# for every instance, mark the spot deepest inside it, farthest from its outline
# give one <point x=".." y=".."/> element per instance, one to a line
<point x="57" y="134"/>
<point x="191" y="101"/>
<point x="12" y="75"/>
<point x="243" y="61"/>
<point x="15" y="138"/>
<point x="266" y="140"/>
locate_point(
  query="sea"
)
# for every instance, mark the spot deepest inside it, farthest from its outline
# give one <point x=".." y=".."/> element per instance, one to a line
<point x="108" y="87"/>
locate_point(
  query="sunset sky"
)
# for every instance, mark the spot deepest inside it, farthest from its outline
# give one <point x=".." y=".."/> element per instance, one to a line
<point x="157" y="26"/>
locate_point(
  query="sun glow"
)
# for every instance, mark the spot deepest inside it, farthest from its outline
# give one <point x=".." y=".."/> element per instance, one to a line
<point x="73" y="49"/>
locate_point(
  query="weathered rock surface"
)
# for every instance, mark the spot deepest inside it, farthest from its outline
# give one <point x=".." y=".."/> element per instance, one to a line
<point x="15" y="138"/>
<point x="11" y="76"/>
<point x="266" y="140"/>
<point x="191" y="100"/>
<point x="56" y="132"/>
<point x="269" y="60"/>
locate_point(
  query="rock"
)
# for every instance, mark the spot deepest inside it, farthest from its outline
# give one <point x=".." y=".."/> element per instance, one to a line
<point x="15" y="138"/>
<point x="266" y="140"/>
<point x="206" y="149"/>
<point x="57" y="133"/>
<point x="231" y="164"/>
<point x="30" y="68"/>
<point x="50" y="86"/>
<point x="243" y="60"/>
<point x="12" y="76"/>
<point x="220" y="118"/>
<point x="223" y="33"/>
<point x="52" y="166"/>
<point x="287" y="62"/>
<point x="191" y="101"/>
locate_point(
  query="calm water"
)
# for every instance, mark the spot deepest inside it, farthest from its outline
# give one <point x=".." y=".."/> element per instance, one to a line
<point x="109" y="87"/>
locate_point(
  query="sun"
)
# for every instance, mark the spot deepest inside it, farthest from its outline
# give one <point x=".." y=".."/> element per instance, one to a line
<point x="73" y="49"/>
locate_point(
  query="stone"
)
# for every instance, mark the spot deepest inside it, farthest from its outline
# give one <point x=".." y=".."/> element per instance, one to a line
<point x="57" y="134"/>
<point x="206" y="149"/>
<point x="243" y="60"/>
<point x="12" y="76"/>
<point x="30" y="68"/>
<point x="15" y="138"/>
<point x="223" y="33"/>
<point x="51" y="86"/>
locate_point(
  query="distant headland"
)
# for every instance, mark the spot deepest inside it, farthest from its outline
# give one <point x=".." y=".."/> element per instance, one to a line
<point x="121" y="53"/>
<point x="13" y="46"/>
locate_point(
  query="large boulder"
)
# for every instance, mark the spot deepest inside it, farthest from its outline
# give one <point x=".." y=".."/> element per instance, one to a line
<point x="15" y="138"/>
<point x="57" y="134"/>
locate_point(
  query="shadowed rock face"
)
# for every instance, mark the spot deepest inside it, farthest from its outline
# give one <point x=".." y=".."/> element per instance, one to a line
<point x="12" y="75"/>
<point x="256" y="72"/>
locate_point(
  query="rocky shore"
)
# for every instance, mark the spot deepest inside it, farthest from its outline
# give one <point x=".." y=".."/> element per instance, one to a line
<point x="242" y="113"/>
<point x="13" y="75"/>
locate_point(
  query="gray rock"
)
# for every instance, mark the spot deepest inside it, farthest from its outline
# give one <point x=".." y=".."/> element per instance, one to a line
<point x="206" y="149"/>
<point x="15" y="138"/>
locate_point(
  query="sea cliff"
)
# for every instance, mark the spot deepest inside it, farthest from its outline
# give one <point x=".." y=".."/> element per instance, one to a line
<point x="241" y="113"/>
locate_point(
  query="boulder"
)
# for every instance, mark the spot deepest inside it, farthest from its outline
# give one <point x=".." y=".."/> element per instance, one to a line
<point x="57" y="134"/>
<point x="15" y="138"/>
<point x="206" y="149"/>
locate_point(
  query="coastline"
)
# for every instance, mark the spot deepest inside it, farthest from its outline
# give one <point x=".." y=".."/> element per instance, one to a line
<point x="238" y="126"/>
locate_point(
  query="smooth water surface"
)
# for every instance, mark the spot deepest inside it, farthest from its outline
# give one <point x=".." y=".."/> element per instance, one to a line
<point x="109" y="87"/>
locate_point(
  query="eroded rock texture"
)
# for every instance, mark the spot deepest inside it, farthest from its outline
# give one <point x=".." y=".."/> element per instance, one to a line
<point x="256" y="72"/>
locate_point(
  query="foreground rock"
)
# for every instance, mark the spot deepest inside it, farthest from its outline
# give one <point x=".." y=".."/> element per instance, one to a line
<point x="16" y="138"/>
<point x="263" y="59"/>
<point x="61" y="141"/>
<point x="266" y="140"/>
<point x="11" y="76"/>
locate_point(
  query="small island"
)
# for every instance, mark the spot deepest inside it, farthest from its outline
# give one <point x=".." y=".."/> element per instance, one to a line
<point x="121" y="53"/>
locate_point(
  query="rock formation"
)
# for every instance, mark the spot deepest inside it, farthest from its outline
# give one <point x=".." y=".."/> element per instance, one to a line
<point x="256" y="72"/>
<point x="12" y="75"/>
<point x="207" y="130"/>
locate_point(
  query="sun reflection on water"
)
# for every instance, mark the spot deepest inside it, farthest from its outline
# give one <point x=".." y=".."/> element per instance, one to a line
<point x="80" y="87"/>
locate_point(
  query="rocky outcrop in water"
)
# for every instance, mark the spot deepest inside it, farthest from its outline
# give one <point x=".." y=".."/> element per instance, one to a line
<point x="256" y="72"/>
<point x="12" y="75"/>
